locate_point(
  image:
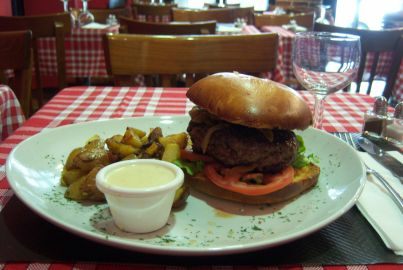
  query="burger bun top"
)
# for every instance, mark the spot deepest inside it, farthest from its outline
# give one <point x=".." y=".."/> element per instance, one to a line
<point x="251" y="101"/>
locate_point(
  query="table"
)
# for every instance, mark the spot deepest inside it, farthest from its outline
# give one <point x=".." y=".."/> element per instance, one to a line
<point x="11" y="115"/>
<point x="28" y="241"/>
<point x="231" y="29"/>
<point x="84" y="53"/>
<point x="284" y="71"/>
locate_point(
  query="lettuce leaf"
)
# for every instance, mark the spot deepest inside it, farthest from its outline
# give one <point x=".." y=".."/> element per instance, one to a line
<point x="302" y="159"/>
<point x="190" y="167"/>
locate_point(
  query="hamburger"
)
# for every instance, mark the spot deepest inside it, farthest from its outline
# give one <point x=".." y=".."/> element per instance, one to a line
<point x="242" y="139"/>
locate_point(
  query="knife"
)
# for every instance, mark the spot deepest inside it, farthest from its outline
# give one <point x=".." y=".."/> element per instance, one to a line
<point x="381" y="156"/>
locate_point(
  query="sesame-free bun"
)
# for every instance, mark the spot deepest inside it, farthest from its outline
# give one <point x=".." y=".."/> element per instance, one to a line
<point x="304" y="179"/>
<point x="251" y="101"/>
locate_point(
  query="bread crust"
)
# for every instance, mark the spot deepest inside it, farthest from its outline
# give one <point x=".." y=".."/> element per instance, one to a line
<point x="251" y="101"/>
<point x="304" y="179"/>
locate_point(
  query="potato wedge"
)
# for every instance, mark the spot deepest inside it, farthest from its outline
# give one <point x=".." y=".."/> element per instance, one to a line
<point x="181" y="196"/>
<point x="180" y="138"/>
<point x="71" y="176"/>
<point x="116" y="146"/>
<point x="132" y="137"/>
<point x="171" y="152"/>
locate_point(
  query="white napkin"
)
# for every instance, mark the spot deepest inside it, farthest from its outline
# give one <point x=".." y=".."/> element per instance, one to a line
<point x="228" y="28"/>
<point x="378" y="207"/>
<point x="95" y="25"/>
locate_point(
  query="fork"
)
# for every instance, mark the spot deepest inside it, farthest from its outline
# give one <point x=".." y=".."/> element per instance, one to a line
<point x="348" y="138"/>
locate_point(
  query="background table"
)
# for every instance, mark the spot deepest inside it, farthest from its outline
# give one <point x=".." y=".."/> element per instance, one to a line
<point x="284" y="71"/>
<point x="84" y="53"/>
<point x="29" y="242"/>
<point x="11" y="115"/>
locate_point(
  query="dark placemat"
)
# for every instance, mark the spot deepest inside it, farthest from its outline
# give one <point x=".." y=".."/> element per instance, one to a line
<point x="26" y="237"/>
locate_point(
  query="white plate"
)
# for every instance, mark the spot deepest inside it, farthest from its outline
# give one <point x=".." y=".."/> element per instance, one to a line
<point x="206" y="226"/>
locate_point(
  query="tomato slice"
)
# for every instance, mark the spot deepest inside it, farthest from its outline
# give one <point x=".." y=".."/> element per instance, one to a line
<point x="191" y="156"/>
<point x="272" y="182"/>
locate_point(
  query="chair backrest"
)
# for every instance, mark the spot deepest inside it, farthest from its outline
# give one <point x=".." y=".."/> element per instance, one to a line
<point x="16" y="55"/>
<point x="222" y="15"/>
<point x="299" y="3"/>
<point x="374" y="42"/>
<point x="302" y="19"/>
<point x="51" y="25"/>
<point x="394" y="72"/>
<point x="153" y="12"/>
<point x="195" y="55"/>
<point x="100" y="15"/>
<point x="183" y="28"/>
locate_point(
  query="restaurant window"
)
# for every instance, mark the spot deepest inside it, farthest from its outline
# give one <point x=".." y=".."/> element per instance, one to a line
<point x="365" y="14"/>
<point x="259" y="5"/>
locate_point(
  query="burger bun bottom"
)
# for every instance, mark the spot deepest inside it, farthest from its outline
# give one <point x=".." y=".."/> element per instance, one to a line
<point x="304" y="178"/>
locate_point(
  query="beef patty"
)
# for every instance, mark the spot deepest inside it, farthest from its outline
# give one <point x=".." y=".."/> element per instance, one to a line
<point x="235" y="145"/>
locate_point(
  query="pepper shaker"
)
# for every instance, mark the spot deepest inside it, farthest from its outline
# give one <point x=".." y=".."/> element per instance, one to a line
<point x="375" y="120"/>
<point x="394" y="130"/>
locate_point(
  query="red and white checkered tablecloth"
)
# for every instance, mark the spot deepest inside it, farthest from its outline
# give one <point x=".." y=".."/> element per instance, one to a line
<point x="11" y="115"/>
<point x="344" y="112"/>
<point x="84" y="53"/>
<point x="231" y="29"/>
<point x="285" y="73"/>
<point x="150" y="18"/>
<point x="283" y="70"/>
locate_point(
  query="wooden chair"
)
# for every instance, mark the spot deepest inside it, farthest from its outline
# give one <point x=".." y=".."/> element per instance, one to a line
<point x="52" y="25"/>
<point x="299" y="4"/>
<point x="150" y="28"/>
<point x="157" y="12"/>
<point x="394" y="73"/>
<point x="197" y="55"/>
<point x="100" y="15"/>
<point x="16" y="55"/>
<point x="302" y="19"/>
<point x="374" y="42"/>
<point x="222" y="15"/>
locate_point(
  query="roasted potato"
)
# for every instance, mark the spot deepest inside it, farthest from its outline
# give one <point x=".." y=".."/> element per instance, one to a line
<point x="84" y="189"/>
<point x="180" y="139"/>
<point x="88" y="159"/>
<point x="171" y="152"/>
<point x="69" y="162"/>
<point x="181" y="196"/>
<point x="71" y="176"/>
<point x="116" y="146"/>
<point x="133" y="137"/>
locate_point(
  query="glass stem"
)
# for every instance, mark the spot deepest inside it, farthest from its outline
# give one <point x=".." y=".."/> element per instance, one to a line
<point x="85" y="6"/>
<point x="66" y="5"/>
<point x="318" y="111"/>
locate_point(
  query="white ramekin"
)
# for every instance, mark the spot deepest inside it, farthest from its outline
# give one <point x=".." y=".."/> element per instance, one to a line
<point x="140" y="210"/>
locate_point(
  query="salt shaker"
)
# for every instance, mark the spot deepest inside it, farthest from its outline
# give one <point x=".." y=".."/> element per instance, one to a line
<point x="375" y="120"/>
<point x="394" y="130"/>
<point x="111" y="20"/>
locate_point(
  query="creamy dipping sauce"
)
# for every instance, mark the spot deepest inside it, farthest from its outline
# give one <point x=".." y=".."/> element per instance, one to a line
<point x="140" y="176"/>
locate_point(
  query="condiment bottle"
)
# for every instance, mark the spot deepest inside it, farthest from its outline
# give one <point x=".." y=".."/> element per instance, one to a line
<point x="394" y="130"/>
<point x="375" y="120"/>
<point x="111" y="20"/>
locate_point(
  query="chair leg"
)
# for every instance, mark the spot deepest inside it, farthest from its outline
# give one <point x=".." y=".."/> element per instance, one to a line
<point x="39" y="89"/>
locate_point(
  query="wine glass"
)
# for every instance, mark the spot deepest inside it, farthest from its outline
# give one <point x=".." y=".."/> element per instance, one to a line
<point x="73" y="16"/>
<point x="324" y="63"/>
<point x="65" y="5"/>
<point x="85" y="16"/>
